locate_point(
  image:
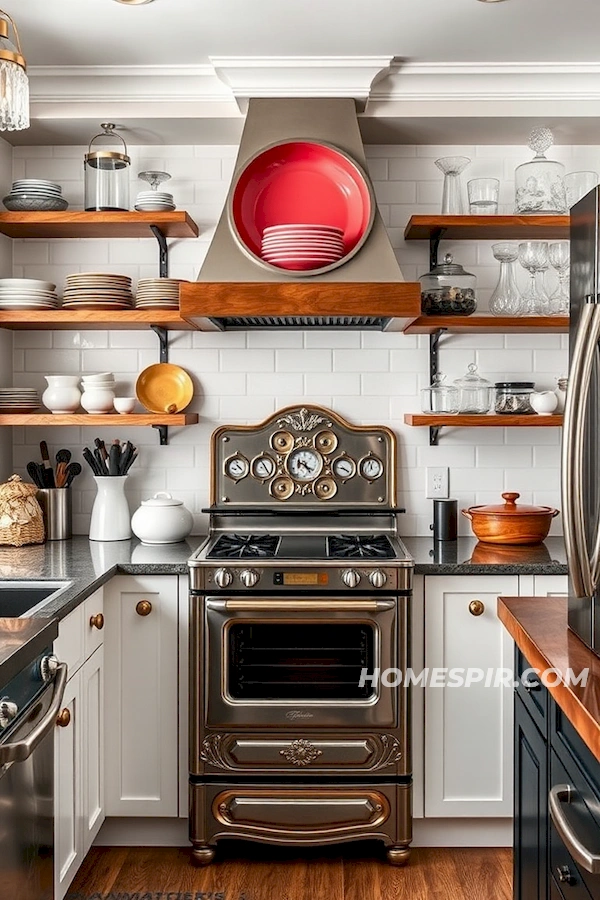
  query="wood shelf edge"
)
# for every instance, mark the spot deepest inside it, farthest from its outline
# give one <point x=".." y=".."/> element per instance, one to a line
<point x="421" y="228"/>
<point x="420" y="420"/>
<point x="488" y="324"/>
<point x="85" y="419"/>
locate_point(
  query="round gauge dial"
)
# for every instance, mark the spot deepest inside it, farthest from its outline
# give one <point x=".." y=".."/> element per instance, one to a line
<point x="236" y="467"/>
<point x="371" y="468"/>
<point x="263" y="467"/>
<point x="344" y="467"/>
<point x="304" y="464"/>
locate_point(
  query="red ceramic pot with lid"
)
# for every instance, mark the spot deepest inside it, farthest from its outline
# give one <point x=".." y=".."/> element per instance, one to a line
<point x="510" y="523"/>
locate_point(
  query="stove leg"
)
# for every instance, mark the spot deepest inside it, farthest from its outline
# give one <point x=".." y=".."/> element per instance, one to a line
<point x="398" y="855"/>
<point x="202" y="854"/>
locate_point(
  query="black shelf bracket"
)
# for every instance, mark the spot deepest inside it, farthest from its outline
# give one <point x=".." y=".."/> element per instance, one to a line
<point x="163" y="252"/>
<point x="434" y="243"/>
<point x="163" y="434"/>
<point x="434" y="351"/>
<point x="163" y="340"/>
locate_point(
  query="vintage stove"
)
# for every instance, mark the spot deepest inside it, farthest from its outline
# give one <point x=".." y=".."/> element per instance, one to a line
<point x="301" y="588"/>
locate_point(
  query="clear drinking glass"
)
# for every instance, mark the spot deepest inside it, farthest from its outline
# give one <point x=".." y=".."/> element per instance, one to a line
<point x="578" y="184"/>
<point x="506" y="299"/>
<point x="452" y="195"/>
<point x="533" y="256"/>
<point x="559" y="255"/>
<point x="483" y="196"/>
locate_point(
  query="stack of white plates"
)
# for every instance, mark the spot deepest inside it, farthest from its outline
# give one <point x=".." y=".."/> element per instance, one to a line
<point x="158" y="293"/>
<point x="97" y="290"/>
<point x="302" y="246"/>
<point x="154" y="201"/>
<point x="31" y="194"/>
<point x="19" y="400"/>
<point x="27" y="293"/>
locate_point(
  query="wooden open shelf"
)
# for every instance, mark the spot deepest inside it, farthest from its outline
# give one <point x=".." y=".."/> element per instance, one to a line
<point x="96" y="224"/>
<point x="487" y="421"/>
<point x="92" y="319"/>
<point x="488" y="228"/>
<point x="489" y="325"/>
<point x="135" y="419"/>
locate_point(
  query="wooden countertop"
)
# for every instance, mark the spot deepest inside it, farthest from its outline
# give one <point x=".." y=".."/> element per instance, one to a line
<point x="539" y="628"/>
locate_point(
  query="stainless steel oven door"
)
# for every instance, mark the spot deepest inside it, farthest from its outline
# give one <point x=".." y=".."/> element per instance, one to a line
<point x="297" y="661"/>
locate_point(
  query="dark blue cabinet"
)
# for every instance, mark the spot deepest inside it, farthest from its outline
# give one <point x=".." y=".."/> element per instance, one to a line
<point x="531" y="809"/>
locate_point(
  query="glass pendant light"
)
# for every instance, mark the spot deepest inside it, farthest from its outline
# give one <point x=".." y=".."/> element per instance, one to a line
<point x="14" y="84"/>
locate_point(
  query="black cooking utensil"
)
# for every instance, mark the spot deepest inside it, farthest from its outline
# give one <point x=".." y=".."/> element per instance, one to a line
<point x="73" y="470"/>
<point x="48" y="470"/>
<point x="92" y="461"/>
<point x="130" y="462"/>
<point x="63" y="456"/>
<point x="36" y="474"/>
<point x="114" y="457"/>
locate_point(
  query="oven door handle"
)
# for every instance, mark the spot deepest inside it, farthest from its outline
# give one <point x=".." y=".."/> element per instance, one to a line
<point x="300" y="605"/>
<point x="563" y="794"/>
<point x="22" y="750"/>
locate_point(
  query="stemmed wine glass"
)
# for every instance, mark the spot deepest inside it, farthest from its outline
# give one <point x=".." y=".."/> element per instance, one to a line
<point x="452" y="196"/>
<point x="154" y="178"/>
<point x="533" y="256"/>
<point x="506" y="299"/>
<point x="560" y="258"/>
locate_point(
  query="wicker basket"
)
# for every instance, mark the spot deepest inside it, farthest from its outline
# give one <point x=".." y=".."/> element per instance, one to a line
<point x="21" y="520"/>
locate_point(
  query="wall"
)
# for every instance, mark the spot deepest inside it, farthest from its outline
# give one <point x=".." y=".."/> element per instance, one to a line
<point x="243" y="377"/>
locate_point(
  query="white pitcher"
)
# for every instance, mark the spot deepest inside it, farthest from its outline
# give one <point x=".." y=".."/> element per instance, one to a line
<point x="111" y="519"/>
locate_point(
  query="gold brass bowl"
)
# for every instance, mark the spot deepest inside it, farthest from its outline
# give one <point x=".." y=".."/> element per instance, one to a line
<point x="164" y="388"/>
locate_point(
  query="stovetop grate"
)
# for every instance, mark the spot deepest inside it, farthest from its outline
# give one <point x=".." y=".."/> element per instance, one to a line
<point x="245" y="546"/>
<point x="353" y="546"/>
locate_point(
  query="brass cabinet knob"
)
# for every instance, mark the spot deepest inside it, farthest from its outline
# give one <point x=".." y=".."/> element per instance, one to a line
<point x="143" y="608"/>
<point x="64" y="718"/>
<point x="97" y="621"/>
<point x="476" y="607"/>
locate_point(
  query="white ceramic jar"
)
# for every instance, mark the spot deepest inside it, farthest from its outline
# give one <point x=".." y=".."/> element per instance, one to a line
<point x="62" y="396"/>
<point x="543" y="402"/>
<point x="162" y="520"/>
<point x="98" y="401"/>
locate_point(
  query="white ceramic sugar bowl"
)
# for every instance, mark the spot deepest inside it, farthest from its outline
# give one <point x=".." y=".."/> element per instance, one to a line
<point x="162" y="520"/>
<point x="543" y="402"/>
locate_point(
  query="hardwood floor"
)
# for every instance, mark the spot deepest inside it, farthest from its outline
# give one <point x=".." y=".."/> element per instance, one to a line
<point x="251" y="872"/>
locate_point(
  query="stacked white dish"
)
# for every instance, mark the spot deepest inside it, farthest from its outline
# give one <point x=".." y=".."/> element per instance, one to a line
<point x="98" y="393"/>
<point x="154" y="201"/>
<point x="35" y="194"/>
<point x="19" y="400"/>
<point x="302" y="246"/>
<point x="97" y="290"/>
<point x="27" y="293"/>
<point x="158" y="293"/>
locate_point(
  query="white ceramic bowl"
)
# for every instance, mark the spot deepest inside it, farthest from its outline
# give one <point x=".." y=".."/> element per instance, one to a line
<point x="124" y="405"/>
<point x="101" y="376"/>
<point x="20" y="283"/>
<point x="98" y="402"/>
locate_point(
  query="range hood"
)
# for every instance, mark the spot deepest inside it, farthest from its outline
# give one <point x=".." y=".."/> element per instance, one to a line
<point x="234" y="292"/>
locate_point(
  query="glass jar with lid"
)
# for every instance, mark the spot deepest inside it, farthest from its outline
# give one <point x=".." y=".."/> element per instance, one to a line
<point x="440" y="397"/>
<point x="106" y="174"/>
<point x="539" y="183"/>
<point x="476" y="393"/>
<point x="448" y="290"/>
<point x="513" y="398"/>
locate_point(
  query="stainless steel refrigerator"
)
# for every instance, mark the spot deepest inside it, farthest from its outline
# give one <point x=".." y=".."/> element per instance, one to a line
<point x="581" y="432"/>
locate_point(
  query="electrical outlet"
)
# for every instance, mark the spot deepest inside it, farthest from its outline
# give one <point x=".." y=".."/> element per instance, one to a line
<point x="437" y="483"/>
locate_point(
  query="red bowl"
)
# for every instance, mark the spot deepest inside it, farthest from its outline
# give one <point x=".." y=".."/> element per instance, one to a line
<point x="301" y="182"/>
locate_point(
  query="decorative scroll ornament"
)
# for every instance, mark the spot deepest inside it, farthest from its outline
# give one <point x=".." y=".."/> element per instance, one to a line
<point x="212" y="752"/>
<point x="301" y="753"/>
<point x="303" y="420"/>
<point x="391" y="752"/>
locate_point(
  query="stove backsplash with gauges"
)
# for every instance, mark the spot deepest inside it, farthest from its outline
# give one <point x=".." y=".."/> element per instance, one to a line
<point x="301" y="586"/>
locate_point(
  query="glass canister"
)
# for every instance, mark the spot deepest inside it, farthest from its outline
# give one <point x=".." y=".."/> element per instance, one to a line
<point x="513" y="398"/>
<point x="440" y="397"/>
<point x="106" y="174"/>
<point x="539" y="183"/>
<point x="476" y="393"/>
<point x="447" y="290"/>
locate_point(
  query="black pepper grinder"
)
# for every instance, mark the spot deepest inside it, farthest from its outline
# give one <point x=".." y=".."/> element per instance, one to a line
<point x="445" y="520"/>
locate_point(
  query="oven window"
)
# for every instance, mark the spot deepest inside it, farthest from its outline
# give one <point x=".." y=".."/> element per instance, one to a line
<point x="300" y="662"/>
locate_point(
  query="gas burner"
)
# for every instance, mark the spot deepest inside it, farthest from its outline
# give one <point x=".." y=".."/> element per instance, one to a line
<point x="244" y="546"/>
<point x="353" y="546"/>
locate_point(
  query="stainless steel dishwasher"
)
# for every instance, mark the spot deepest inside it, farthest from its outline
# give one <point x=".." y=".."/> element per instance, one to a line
<point x="29" y="705"/>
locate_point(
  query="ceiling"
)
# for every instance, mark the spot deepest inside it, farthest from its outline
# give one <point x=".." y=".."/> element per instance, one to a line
<point x="175" y="32"/>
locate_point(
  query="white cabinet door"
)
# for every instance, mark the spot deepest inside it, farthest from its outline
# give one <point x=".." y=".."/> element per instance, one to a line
<point x="550" y="585"/>
<point x="141" y="715"/>
<point x="92" y="696"/>
<point x="468" y="729"/>
<point x="68" y="779"/>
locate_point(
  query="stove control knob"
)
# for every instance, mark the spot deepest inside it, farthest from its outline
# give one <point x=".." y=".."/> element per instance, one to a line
<point x="378" y="578"/>
<point x="223" y="578"/>
<point x="48" y="667"/>
<point x="350" y="578"/>
<point x="249" y="577"/>
<point x="8" y="711"/>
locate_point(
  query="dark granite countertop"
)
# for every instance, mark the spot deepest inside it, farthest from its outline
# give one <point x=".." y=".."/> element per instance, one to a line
<point x="21" y="640"/>
<point x="468" y="556"/>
